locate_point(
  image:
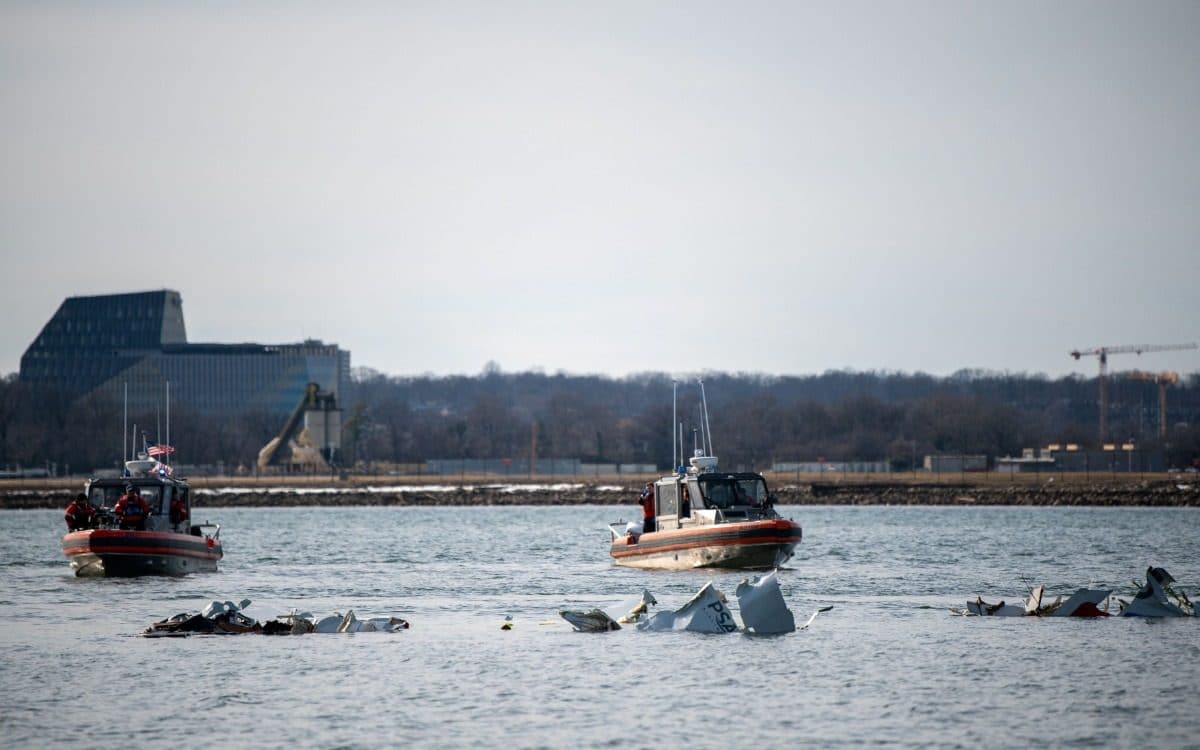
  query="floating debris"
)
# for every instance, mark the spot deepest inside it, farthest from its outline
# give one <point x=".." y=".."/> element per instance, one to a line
<point x="1155" y="598"/>
<point x="592" y="621"/>
<point x="705" y="612"/>
<point x="1152" y="600"/>
<point x="1083" y="603"/>
<point x="760" y="601"/>
<point x="814" y="616"/>
<point x="227" y="618"/>
<point x="980" y="608"/>
<point x="634" y="609"/>
<point x="603" y="620"/>
<point x="762" y="606"/>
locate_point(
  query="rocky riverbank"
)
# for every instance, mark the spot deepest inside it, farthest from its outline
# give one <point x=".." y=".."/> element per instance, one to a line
<point x="1159" y="493"/>
<point x="1148" y="493"/>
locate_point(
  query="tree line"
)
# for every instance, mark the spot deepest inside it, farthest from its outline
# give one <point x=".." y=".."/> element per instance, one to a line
<point x="756" y="419"/>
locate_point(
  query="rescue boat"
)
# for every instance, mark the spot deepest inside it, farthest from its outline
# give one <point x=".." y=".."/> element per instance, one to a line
<point x="708" y="519"/>
<point x="168" y="543"/>
<point x="705" y="518"/>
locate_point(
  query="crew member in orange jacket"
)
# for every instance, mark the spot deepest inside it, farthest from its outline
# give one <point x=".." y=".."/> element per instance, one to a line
<point x="80" y="514"/>
<point x="648" y="510"/>
<point x="132" y="509"/>
<point x="179" y="511"/>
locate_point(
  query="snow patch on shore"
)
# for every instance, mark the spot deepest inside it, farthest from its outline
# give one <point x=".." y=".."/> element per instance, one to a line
<point x="326" y="490"/>
<point x="401" y="489"/>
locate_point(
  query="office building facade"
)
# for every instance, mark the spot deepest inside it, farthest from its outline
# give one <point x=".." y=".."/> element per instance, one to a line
<point x="109" y="344"/>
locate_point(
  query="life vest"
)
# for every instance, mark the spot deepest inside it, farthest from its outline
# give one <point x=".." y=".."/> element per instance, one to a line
<point x="132" y="508"/>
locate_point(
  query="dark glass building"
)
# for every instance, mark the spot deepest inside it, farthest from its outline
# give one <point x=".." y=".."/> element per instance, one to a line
<point x="101" y="344"/>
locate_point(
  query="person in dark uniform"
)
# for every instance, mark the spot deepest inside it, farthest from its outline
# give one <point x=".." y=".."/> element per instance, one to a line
<point x="80" y="514"/>
<point x="648" y="510"/>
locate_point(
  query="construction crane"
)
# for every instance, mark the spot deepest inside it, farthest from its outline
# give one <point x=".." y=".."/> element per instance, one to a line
<point x="1163" y="379"/>
<point x="1103" y="351"/>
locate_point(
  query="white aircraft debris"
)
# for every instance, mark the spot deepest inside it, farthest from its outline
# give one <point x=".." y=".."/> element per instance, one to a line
<point x="760" y="602"/>
<point x="762" y="606"/>
<point x="704" y="613"/>
<point x="1155" y="598"/>
<point x="611" y="618"/>
<point x="1152" y="599"/>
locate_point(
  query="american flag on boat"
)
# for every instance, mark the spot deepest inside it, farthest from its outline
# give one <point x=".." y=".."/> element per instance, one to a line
<point x="162" y="469"/>
<point x="160" y="450"/>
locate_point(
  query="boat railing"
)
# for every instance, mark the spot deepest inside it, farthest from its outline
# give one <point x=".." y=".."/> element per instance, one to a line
<point x="198" y="529"/>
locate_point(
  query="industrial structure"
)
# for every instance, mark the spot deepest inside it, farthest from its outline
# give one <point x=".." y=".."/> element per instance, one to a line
<point x="1102" y="353"/>
<point x="133" y="344"/>
<point x="1162" y="379"/>
<point x="312" y="435"/>
<point x="1113" y="458"/>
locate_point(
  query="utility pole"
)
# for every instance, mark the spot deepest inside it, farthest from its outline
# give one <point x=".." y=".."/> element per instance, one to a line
<point x="533" y="450"/>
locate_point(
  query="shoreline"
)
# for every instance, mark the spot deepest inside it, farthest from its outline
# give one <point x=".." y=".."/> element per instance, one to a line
<point x="234" y="493"/>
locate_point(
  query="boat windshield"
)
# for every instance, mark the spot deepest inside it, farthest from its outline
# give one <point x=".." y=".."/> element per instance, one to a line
<point x="107" y="497"/>
<point x="725" y="491"/>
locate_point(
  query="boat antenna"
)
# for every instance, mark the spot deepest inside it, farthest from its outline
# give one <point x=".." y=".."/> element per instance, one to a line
<point x="681" y="463"/>
<point x="125" y="426"/>
<point x="707" y="428"/>
<point x="674" y="420"/>
<point x="168" y="421"/>
<point x="133" y="441"/>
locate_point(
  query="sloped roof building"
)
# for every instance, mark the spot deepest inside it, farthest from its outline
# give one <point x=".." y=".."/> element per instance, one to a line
<point x="101" y="344"/>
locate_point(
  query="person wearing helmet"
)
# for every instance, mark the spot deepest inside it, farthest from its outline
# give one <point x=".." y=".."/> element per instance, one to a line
<point x="80" y="514"/>
<point x="131" y="510"/>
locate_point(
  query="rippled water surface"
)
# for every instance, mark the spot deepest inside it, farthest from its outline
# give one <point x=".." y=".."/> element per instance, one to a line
<point x="889" y="665"/>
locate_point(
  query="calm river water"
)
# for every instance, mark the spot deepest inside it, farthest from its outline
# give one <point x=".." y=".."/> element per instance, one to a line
<point x="889" y="665"/>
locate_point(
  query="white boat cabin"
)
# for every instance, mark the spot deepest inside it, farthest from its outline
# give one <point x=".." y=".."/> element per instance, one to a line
<point x="705" y="496"/>
<point x="158" y="493"/>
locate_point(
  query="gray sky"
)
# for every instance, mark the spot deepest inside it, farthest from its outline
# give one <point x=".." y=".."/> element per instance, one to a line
<point x="615" y="187"/>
